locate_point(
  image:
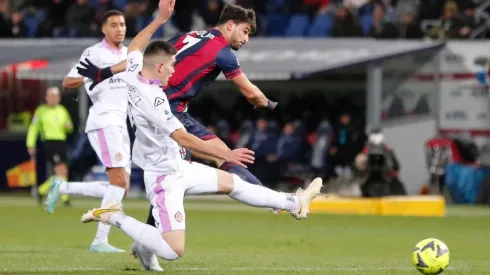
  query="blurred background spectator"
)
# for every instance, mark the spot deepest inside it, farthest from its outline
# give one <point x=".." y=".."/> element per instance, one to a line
<point x="412" y="19"/>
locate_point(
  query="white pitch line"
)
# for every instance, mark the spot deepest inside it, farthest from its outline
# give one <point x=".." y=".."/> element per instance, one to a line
<point x="53" y="269"/>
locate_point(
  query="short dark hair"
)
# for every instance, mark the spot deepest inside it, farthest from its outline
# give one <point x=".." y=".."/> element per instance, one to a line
<point x="158" y="47"/>
<point x="238" y="15"/>
<point x="111" y="13"/>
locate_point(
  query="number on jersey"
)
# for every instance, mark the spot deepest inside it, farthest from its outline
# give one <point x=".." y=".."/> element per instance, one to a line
<point x="189" y="41"/>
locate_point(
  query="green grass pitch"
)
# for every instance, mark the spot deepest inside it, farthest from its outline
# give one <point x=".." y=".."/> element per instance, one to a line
<point x="225" y="237"/>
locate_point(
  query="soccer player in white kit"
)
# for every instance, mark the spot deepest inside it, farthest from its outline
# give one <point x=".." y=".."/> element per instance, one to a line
<point x="106" y="126"/>
<point x="168" y="178"/>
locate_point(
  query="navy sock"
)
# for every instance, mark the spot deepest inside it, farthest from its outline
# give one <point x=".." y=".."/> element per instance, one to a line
<point x="243" y="173"/>
<point x="150" y="220"/>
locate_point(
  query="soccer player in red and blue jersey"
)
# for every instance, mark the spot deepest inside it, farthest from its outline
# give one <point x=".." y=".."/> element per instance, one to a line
<point x="201" y="57"/>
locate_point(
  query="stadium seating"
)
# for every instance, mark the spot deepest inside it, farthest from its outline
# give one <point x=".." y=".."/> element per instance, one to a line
<point x="276" y="24"/>
<point x="298" y="24"/>
<point x="321" y="26"/>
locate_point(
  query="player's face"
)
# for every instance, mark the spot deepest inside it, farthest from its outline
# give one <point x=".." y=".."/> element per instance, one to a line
<point x="115" y="29"/>
<point x="166" y="69"/>
<point x="239" y="36"/>
<point x="53" y="99"/>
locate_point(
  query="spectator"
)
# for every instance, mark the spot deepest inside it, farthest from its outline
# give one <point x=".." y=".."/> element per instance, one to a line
<point x="263" y="143"/>
<point x="133" y="10"/>
<point x="288" y="146"/>
<point x="55" y="17"/>
<point x="4" y="18"/>
<point x="102" y="7"/>
<point x="345" y="24"/>
<point x="211" y="12"/>
<point x="346" y="144"/>
<point x="452" y="24"/>
<point x="79" y="19"/>
<point x="17" y="26"/>
<point x="409" y="27"/>
<point x="381" y="26"/>
<point x="319" y="159"/>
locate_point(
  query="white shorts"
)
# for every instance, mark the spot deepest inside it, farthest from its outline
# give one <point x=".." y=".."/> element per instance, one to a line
<point x="111" y="144"/>
<point x="167" y="194"/>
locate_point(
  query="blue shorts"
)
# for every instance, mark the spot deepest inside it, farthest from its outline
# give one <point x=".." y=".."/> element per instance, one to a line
<point x="193" y="127"/>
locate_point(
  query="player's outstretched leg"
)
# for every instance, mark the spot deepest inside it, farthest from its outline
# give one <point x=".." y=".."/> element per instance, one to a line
<point x="254" y="195"/>
<point x="148" y="240"/>
<point x="59" y="187"/>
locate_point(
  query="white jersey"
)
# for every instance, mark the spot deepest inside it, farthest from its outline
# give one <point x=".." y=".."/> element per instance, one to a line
<point x="109" y="98"/>
<point x="153" y="150"/>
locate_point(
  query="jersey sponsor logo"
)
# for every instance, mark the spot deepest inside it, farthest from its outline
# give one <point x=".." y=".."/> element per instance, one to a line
<point x="113" y="80"/>
<point x="159" y="101"/>
<point x="133" y="68"/>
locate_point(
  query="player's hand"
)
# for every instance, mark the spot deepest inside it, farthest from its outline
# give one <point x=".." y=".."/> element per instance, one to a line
<point x="32" y="152"/>
<point x="89" y="70"/>
<point x="241" y="156"/>
<point x="165" y="8"/>
<point x="271" y="105"/>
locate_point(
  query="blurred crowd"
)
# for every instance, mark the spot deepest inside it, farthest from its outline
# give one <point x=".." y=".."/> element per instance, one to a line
<point x="307" y="136"/>
<point x="412" y="19"/>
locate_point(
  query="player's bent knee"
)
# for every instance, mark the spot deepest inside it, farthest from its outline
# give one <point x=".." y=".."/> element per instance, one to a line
<point x="225" y="182"/>
<point x="176" y="241"/>
<point x="117" y="176"/>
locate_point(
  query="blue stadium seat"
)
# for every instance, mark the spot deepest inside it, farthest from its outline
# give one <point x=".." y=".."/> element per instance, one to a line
<point x="322" y="26"/>
<point x="366" y="22"/>
<point x="298" y="24"/>
<point x="276" y="24"/>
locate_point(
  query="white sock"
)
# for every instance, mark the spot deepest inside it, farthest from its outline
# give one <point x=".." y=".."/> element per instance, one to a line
<point x="112" y="194"/>
<point x="95" y="189"/>
<point x="146" y="235"/>
<point x="260" y="196"/>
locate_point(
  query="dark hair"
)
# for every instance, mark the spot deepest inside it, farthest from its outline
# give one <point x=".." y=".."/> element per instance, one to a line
<point x="111" y="13"/>
<point x="238" y="15"/>
<point x="159" y="46"/>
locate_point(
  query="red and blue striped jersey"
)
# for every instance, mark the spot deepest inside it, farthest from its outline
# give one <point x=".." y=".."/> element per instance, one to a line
<point x="201" y="56"/>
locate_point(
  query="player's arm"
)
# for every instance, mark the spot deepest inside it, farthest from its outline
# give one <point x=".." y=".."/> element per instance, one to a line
<point x="74" y="80"/>
<point x="33" y="132"/>
<point x="228" y="63"/>
<point x="197" y="145"/>
<point x="252" y="93"/>
<point x="165" y="9"/>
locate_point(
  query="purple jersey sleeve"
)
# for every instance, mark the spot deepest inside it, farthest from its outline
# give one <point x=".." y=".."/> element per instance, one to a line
<point x="228" y="63"/>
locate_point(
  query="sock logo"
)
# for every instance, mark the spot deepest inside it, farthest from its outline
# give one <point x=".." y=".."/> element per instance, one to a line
<point x="118" y="224"/>
<point x="290" y="198"/>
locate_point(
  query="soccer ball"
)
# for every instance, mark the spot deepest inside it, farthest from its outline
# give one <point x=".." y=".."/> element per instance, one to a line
<point x="430" y="256"/>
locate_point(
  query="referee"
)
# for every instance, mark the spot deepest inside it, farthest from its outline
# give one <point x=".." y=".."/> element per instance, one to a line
<point x="53" y="122"/>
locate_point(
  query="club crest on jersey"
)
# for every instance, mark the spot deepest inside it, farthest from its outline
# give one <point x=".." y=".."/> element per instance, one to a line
<point x="133" y="68"/>
<point x="118" y="157"/>
<point x="179" y="217"/>
<point x="158" y="101"/>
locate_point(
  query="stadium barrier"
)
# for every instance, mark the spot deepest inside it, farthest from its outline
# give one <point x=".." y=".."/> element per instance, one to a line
<point x="427" y="206"/>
